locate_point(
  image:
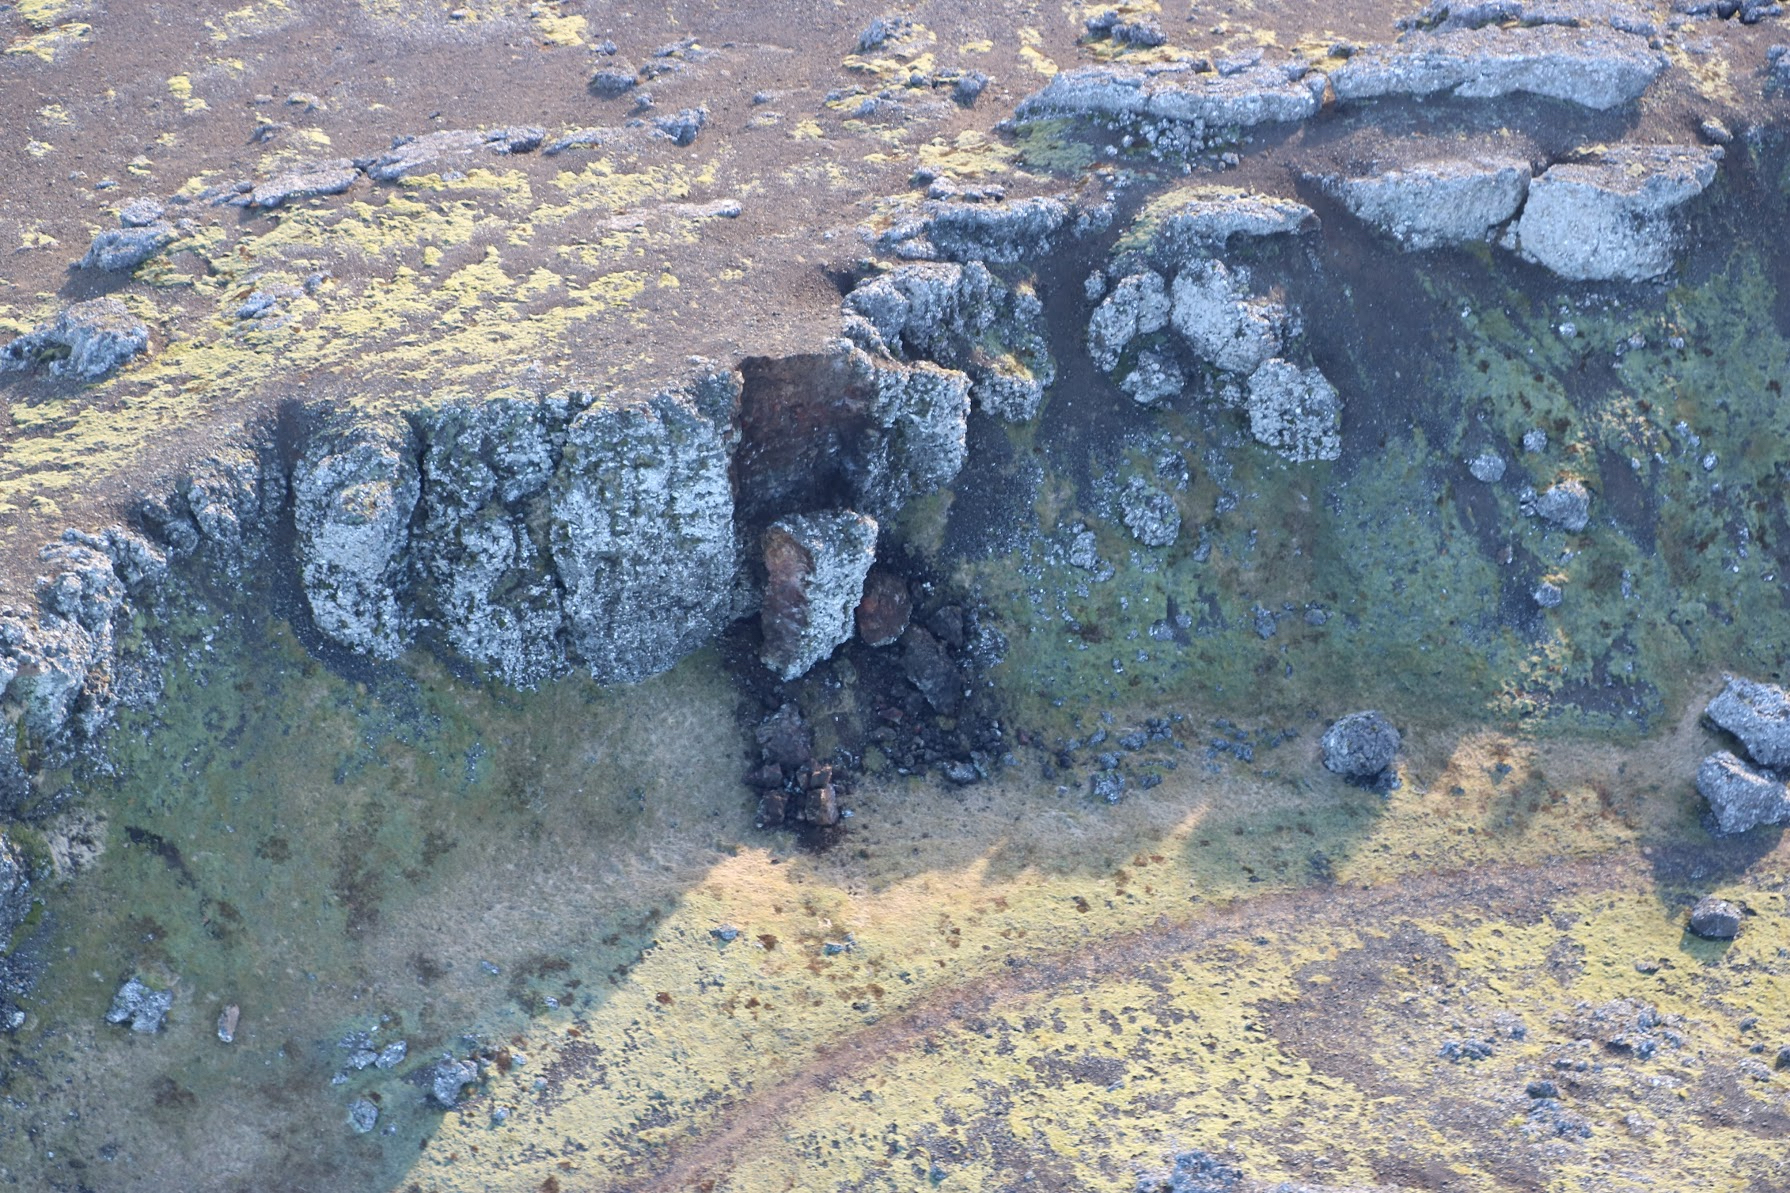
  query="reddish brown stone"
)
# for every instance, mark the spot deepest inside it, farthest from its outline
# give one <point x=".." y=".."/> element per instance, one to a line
<point x="883" y="612"/>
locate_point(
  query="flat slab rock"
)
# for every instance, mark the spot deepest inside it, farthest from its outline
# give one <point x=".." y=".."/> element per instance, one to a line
<point x="1430" y="204"/>
<point x="1594" y="68"/>
<point x="1265" y="93"/>
<point x="1610" y="218"/>
<point x="1740" y="796"/>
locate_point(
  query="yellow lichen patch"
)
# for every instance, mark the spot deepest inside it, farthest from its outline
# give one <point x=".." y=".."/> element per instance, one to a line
<point x="38" y="148"/>
<point x="252" y="20"/>
<point x="970" y="154"/>
<point x="554" y="27"/>
<point x="52" y="44"/>
<point x="54" y="114"/>
<point x="807" y="130"/>
<point x="1029" y="41"/>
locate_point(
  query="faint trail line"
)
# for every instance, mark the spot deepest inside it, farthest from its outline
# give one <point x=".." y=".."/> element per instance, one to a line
<point x="1486" y="888"/>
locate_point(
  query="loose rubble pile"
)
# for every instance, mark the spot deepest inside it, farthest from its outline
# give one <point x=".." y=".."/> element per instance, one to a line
<point x="1743" y="795"/>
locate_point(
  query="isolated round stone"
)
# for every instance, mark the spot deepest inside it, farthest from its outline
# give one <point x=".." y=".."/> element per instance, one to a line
<point x="1715" y="919"/>
<point x="1360" y="745"/>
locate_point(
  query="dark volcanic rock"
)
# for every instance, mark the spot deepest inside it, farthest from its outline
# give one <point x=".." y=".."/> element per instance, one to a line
<point x="1741" y="797"/>
<point x="1759" y="715"/>
<point x="86" y="341"/>
<point x="784" y="737"/>
<point x="1715" y="919"/>
<point x="610" y="82"/>
<point x="882" y="614"/>
<point x="1360" y="745"/>
<point x="930" y="668"/>
<point x="683" y="126"/>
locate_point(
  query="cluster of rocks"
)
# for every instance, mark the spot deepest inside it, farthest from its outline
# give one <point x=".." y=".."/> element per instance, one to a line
<point x="1746" y="793"/>
<point x="1122" y="759"/>
<point x="794" y="787"/>
<point x="143" y="1006"/>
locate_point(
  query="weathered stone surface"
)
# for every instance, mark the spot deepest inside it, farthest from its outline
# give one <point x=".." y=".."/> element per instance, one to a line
<point x="1137" y="306"/>
<point x="447" y="148"/>
<point x="1150" y="514"/>
<point x="1595" y="68"/>
<point x="1156" y="376"/>
<point x="304" y="182"/>
<point x="918" y="426"/>
<point x="1295" y="412"/>
<point x="884" y="610"/>
<point x="1191" y="223"/>
<point x="353" y="492"/>
<point x="86" y="341"/>
<point x="1218" y="104"/>
<point x="1221" y="323"/>
<point x="930" y="668"/>
<point x="1360" y="745"/>
<point x="953" y="230"/>
<point x="448" y="1077"/>
<point x="1427" y="205"/>
<point x="15" y="890"/>
<point x="117" y="250"/>
<point x="1567" y="504"/>
<point x="1716" y="919"/>
<point x="963" y="317"/>
<point x="1741" y="797"/>
<point x="1759" y="715"/>
<point x="142" y="1006"/>
<point x="641" y="530"/>
<point x="815" y="566"/>
<point x="1611" y="218"/>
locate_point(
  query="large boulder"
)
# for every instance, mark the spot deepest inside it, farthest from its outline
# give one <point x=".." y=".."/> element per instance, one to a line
<point x="1294" y="412"/>
<point x="1759" y="715"/>
<point x="1610" y="218"/>
<point x="1716" y="919"/>
<point x="1741" y="797"/>
<point x="1430" y="204"/>
<point x="86" y="341"/>
<point x="1137" y="306"/>
<point x="353" y="492"/>
<point x="815" y="566"/>
<point x="1594" y="68"/>
<point x="1223" y="325"/>
<point x="1360" y="745"/>
<point x="1189" y="223"/>
<point x="141" y="1005"/>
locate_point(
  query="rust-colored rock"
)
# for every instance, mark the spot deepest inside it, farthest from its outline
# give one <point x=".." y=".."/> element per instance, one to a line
<point x="884" y="611"/>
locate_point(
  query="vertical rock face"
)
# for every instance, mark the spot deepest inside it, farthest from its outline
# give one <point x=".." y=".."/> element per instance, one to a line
<point x="1137" y="306"/>
<point x="815" y="566"/>
<point x="1611" y="218"/>
<point x="641" y="529"/>
<point x="918" y="423"/>
<point x="1427" y="205"/>
<point x="353" y="493"/>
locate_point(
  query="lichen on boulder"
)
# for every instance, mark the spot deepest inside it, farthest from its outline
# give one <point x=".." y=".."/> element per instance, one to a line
<point x="86" y="341"/>
<point x="815" y="566"/>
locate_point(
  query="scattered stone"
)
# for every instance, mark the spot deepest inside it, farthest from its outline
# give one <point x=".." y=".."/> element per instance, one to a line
<point x="1429" y="205"/>
<point x="1759" y="715"/>
<point x="304" y="182"/>
<point x="1741" y="797"/>
<point x="1595" y="68"/>
<point x="1610" y="218"/>
<point x="1108" y="785"/>
<point x="1153" y="378"/>
<point x="1221" y="323"/>
<point x="1715" y="919"/>
<point x="1195" y="1172"/>
<point x="883" y="613"/>
<point x="726" y="933"/>
<point x="142" y="1006"/>
<point x="1150" y="514"/>
<point x="683" y="126"/>
<point x="1715" y="132"/>
<point x="392" y="1055"/>
<point x="881" y="31"/>
<point x="363" y="1116"/>
<point x="448" y="1078"/>
<point x="1777" y="67"/>
<point x="85" y="342"/>
<point x="1567" y="504"/>
<point x="1548" y="595"/>
<point x="612" y="82"/>
<point x="581" y="138"/>
<point x="784" y="737"/>
<point x="140" y="213"/>
<point x="1487" y="466"/>
<point x="815" y="565"/>
<point x="227" y="1021"/>
<point x="969" y="88"/>
<point x="117" y="250"/>
<point x="1294" y="412"/>
<point x="1535" y="441"/>
<point x="1137" y="306"/>
<point x="1460" y="1050"/>
<point x="440" y="150"/>
<point x="1360" y="745"/>
<point x="1084" y="551"/>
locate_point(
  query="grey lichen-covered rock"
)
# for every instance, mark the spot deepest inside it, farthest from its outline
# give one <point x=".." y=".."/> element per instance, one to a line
<point x="306" y="181"/>
<point x="965" y="318"/>
<point x="1137" y="306"/>
<point x="815" y="566"/>
<point x="15" y="890"/>
<point x="1567" y="504"/>
<point x="1360" y="745"/>
<point x="1295" y="412"/>
<point x="1427" y="205"/>
<point x="1220" y="321"/>
<point x="1759" y="715"/>
<point x="1611" y="218"/>
<point x="1150" y="514"/>
<point x="918" y="426"/>
<point x="641" y="528"/>
<point x="1716" y="919"/>
<point x="353" y="492"/>
<point x="1216" y="104"/>
<point x="141" y="1005"/>
<point x="116" y="250"/>
<point x="680" y="128"/>
<point x="448" y="1078"/>
<point x="447" y="149"/>
<point x="1740" y="796"/>
<point x="1595" y="68"/>
<point x="1488" y="466"/>
<point x="1154" y="377"/>
<point x="1003" y="232"/>
<point x="1190" y="223"/>
<point x="363" y="1116"/>
<point x="222" y="507"/>
<point x="86" y="341"/>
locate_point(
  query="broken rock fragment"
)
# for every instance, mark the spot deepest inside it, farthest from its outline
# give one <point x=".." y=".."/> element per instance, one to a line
<point x="1715" y="919"/>
<point x="1427" y="205"/>
<point x="1759" y="715"/>
<point x="141" y="1005"/>
<point x="1611" y="218"/>
<point x="1740" y="796"/>
<point x="815" y="566"/>
<point x="1295" y="412"/>
<point x="86" y="341"/>
<point x="883" y="613"/>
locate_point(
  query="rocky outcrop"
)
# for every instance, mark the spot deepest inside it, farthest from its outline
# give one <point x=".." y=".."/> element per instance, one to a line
<point x="353" y="492"/>
<point x="1191" y="223"/>
<point x="1216" y="104"/>
<point x="962" y="317"/>
<point x="1294" y="412"/>
<point x="1137" y="306"/>
<point x="307" y="181"/>
<point x="1740" y="796"/>
<point x="1221" y="323"/>
<point x="1004" y="232"/>
<point x="1611" y="218"/>
<point x="1567" y="504"/>
<point x="15" y="891"/>
<point x="1149" y="514"/>
<point x="1759" y="715"/>
<point x="1428" y="205"/>
<point x="445" y="149"/>
<point x="1594" y="68"/>
<point x="222" y="509"/>
<point x="86" y="341"/>
<point x="815" y="565"/>
<point x="119" y="250"/>
<point x="917" y="416"/>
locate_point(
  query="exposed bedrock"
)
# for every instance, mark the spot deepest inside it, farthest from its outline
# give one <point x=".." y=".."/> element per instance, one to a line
<point x="1594" y="68"/>
<point x="1431" y="204"/>
<point x="1611" y="218"/>
<point x="815" y="565"/>
<point x="1003" y="232"/>
<point x="1221" y="322"/>
<point x="1215" y="104"/>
